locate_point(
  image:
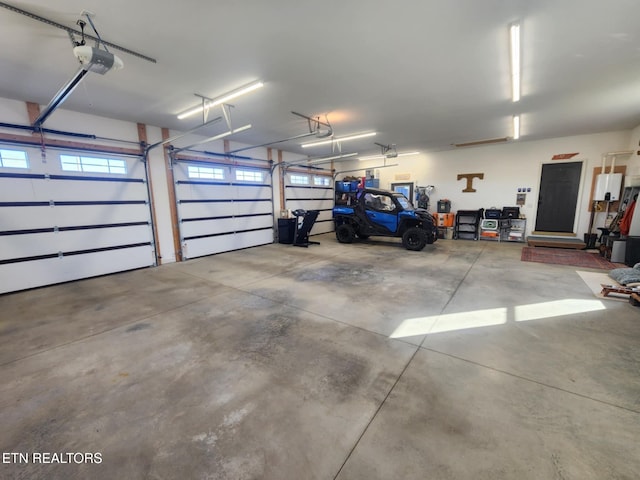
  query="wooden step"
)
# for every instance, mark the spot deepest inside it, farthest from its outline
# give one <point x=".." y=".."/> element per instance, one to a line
<point x="551" y="242"/>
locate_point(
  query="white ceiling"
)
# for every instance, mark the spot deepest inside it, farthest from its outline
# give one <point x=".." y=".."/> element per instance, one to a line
<point x="423" y="74"/>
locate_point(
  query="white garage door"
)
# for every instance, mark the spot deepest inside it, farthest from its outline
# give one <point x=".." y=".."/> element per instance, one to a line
<point x="222" y="207"/>
<point x="311" y="192"/>
<point x="73" y="215"/>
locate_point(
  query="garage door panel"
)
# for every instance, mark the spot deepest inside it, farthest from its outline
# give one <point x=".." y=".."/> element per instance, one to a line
<point x="23" y="275"/>
<point x="252" y="208"/>
<point x="209" y="245"/>
<point x="103" y="237"/>
<point x="312" y="198"/>
<point x="28" y="245"/>
<point x="76" y="215"/>
<point x="219" y="216"/>
<point x="58" y="226"/>
<point x="207" y="227"/>
<point x="72" y="190"/>
<point x="249" y="223"/>
<point x="205" y="209"/>
<point x="256" y="192"/>
<point x="23" y="218"/>
<point x="44" y="243"/>
<point x="250" y="239"/>
<point x="204" y="191"/>
<point x="18" y="189"/>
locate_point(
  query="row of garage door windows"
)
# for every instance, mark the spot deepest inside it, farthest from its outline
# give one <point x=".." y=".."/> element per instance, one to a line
<point x="10" y="158"/>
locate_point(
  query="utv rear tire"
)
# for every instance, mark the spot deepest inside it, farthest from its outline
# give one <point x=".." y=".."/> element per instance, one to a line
<point x="414" y="239"/>
<point x="345" y="233"/>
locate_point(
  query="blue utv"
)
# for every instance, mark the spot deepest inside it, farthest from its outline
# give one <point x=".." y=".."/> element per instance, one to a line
<point x="377" y="212"/>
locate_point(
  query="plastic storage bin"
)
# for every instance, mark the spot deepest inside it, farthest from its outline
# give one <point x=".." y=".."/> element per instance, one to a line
<point x="444" y="206"/>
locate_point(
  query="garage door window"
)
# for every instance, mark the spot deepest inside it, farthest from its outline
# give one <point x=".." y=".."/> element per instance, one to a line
<point x="207" y="173"/>
<point x="321" y="181"/>
<point x="13" y="159"/>
<point x="76" y="163"/>
<point x="249" y="176"/>
<point x="299" y="179"/>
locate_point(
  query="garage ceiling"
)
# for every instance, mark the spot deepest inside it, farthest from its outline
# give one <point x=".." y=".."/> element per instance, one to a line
<point x="423" y="74"/>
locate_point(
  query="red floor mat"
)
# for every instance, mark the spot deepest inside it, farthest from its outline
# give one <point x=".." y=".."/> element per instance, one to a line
<point x="560" y="256"/>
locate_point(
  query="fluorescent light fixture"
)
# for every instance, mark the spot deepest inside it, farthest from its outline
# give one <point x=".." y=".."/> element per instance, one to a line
<point x="514" y="35"/>
<point x="342" y="139"/>
<point x="335" y="157"/>
<point x="216" y="137"/>
<point x="378" y="157"/>
<point x="516" y="127"/>
<point x="315" y="161"/>
<point x="220" y="100"/>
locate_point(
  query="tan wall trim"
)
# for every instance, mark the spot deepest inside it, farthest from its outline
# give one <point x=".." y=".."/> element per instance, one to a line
<point x="173" y="206"/>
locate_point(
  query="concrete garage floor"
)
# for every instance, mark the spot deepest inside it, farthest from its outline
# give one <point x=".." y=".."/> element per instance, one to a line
<point x="361" y="361"/>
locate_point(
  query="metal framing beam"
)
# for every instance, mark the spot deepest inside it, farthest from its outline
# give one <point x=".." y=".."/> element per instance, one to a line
<point x="66" y="90"/>
<point x="74" y="31"/>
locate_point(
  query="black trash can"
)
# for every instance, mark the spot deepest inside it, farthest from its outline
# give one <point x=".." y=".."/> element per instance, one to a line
<point x="286" y="230"/>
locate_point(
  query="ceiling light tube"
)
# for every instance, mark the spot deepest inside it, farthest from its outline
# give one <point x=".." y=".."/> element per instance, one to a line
<point x="342" y="139"/>
<point x="220" y="100"/>
<point x="315" y="161"/>
<point x="378" y="157"/>
<point x="514" y="35"/>
<point x="516" y="127"/>
<point x="215" y="137"/>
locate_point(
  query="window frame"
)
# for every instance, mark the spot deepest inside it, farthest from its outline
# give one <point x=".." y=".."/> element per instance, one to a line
<point x="300" y="176"/>
<point x="3" y="159"/>
<point x="113" y="165"/>
<point x="325" y="181"/>
<point x="249" y="174"/>
<point x="217" y="173"/>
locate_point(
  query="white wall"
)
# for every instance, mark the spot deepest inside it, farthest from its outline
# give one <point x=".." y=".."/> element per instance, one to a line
<point x="634" y="146"/>
<point x="506" y="168"/>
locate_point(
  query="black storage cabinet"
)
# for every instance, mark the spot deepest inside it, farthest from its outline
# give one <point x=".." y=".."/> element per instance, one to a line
<point x="632" y="251"/>
<point x="468" y="224"/>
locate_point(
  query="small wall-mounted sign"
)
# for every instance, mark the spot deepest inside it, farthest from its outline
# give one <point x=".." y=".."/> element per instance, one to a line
<point x="470" y="177"/>
<point x="403" y="176"/>
<point x="564" y="156"/>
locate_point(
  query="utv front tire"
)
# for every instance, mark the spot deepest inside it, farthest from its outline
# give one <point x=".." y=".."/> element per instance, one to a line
<point x="345" y="233"/>
<point x="414" y="239"/>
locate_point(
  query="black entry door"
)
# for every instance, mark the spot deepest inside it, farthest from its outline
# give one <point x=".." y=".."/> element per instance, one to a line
<point x="558" y="197"/>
